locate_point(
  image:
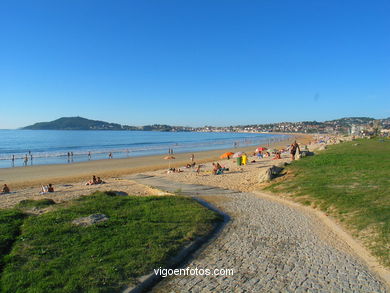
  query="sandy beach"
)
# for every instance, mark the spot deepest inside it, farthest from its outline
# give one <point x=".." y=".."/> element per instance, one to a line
<point x="69" y="179"/>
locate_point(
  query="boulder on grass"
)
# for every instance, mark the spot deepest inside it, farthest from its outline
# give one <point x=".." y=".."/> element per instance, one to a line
<point x="282" y="164"/>
<point x="90" y="220"/>
<point x="322" y="148"/>
<point x="306" y="154"/>
<point x="270" y="174"/>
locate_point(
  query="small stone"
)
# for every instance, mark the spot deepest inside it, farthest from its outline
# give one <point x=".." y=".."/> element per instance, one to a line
<point x="90" y="220"/>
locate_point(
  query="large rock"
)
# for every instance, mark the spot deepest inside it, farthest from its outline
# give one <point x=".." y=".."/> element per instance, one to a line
<point x="322" y="148"/>
<point x="90" y="220"/>
<point x="282" y="164"/>
<point x="270" y="174"/>
<point x="306" y="154"/>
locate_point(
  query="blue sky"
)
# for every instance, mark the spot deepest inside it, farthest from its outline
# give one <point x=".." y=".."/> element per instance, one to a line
<point x="193" y="62"/>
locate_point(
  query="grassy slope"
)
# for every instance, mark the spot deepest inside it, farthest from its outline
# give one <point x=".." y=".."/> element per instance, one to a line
<point x="352" y="183"/>
<point x="10" y="221"/>
<point x="52" y="255"/>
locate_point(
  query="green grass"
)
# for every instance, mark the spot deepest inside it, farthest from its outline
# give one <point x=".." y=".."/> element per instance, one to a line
<point x="10" y="221"/>
<point x="142" y="233"/>
<point x="350" y="182"/>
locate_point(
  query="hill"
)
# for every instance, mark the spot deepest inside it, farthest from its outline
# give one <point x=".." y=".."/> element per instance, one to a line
<point x="74" y="123"/>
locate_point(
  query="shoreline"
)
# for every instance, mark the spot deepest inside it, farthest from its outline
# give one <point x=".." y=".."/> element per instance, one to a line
<point x="35" y="176"/>
<point x="66" y="154"/>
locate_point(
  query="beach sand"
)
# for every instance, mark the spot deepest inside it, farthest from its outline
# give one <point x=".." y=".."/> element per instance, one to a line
<point x="69" y="179"/>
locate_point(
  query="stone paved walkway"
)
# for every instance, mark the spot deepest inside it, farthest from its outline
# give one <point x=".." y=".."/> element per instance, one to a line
<point x="271" y="247"/>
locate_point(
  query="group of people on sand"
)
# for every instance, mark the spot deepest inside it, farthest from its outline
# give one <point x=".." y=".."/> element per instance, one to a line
<point x="294" y="147"/>
<point x="50" y="188"/>
<point x="95" y="180"/>
<point x="44" y="189"/>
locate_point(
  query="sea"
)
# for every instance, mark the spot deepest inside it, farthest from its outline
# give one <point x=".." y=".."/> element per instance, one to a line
<point x="42" y="147"/>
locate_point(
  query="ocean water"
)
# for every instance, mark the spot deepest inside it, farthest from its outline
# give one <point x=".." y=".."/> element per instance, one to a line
<point x="53" y="146"/>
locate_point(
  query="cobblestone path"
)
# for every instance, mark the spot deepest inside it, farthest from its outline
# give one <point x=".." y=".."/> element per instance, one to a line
<point x="270" y="246"/>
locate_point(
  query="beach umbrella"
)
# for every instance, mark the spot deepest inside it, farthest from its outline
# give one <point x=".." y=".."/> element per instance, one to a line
<point x="225" y="155"/>
<point x="169" y="158"/>
<point x="260" y="149"/>
<point x="237" y="155"/>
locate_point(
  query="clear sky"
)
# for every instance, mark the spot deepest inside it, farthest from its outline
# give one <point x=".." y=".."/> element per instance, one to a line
<point x="193" y="62"/>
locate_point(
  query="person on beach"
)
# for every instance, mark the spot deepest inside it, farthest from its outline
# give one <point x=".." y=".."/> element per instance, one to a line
<point x="218" y="169"/>
<point x="99" y="181"/>
<point x="89" y="156"/>
<point x="50" y="188"/>
<point x="92" y="181"/>
<point x="191" y="165"/>
<point x="25" y="160"/>
<point x="43" y="189"/>
<point x="110" y="155"/>
<point x="5" y="189"/>
<point x="215" y="168"/>
<point x="192" y="158"/>
<point x="277" y="156"/>
<point x="293" y="149"/>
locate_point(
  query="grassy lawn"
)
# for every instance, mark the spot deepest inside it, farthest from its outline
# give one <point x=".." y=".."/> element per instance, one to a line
<point x="350" y="182"/>
<point x="10" y="222"/>
<point x="50" y="254"/>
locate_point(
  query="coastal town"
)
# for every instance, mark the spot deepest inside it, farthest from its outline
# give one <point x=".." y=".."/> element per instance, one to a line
<point x="355" y="126"/>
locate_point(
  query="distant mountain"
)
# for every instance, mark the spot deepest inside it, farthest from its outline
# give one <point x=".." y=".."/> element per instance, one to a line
<point x="351" y="120"/>
<point x="74" y="123"/>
